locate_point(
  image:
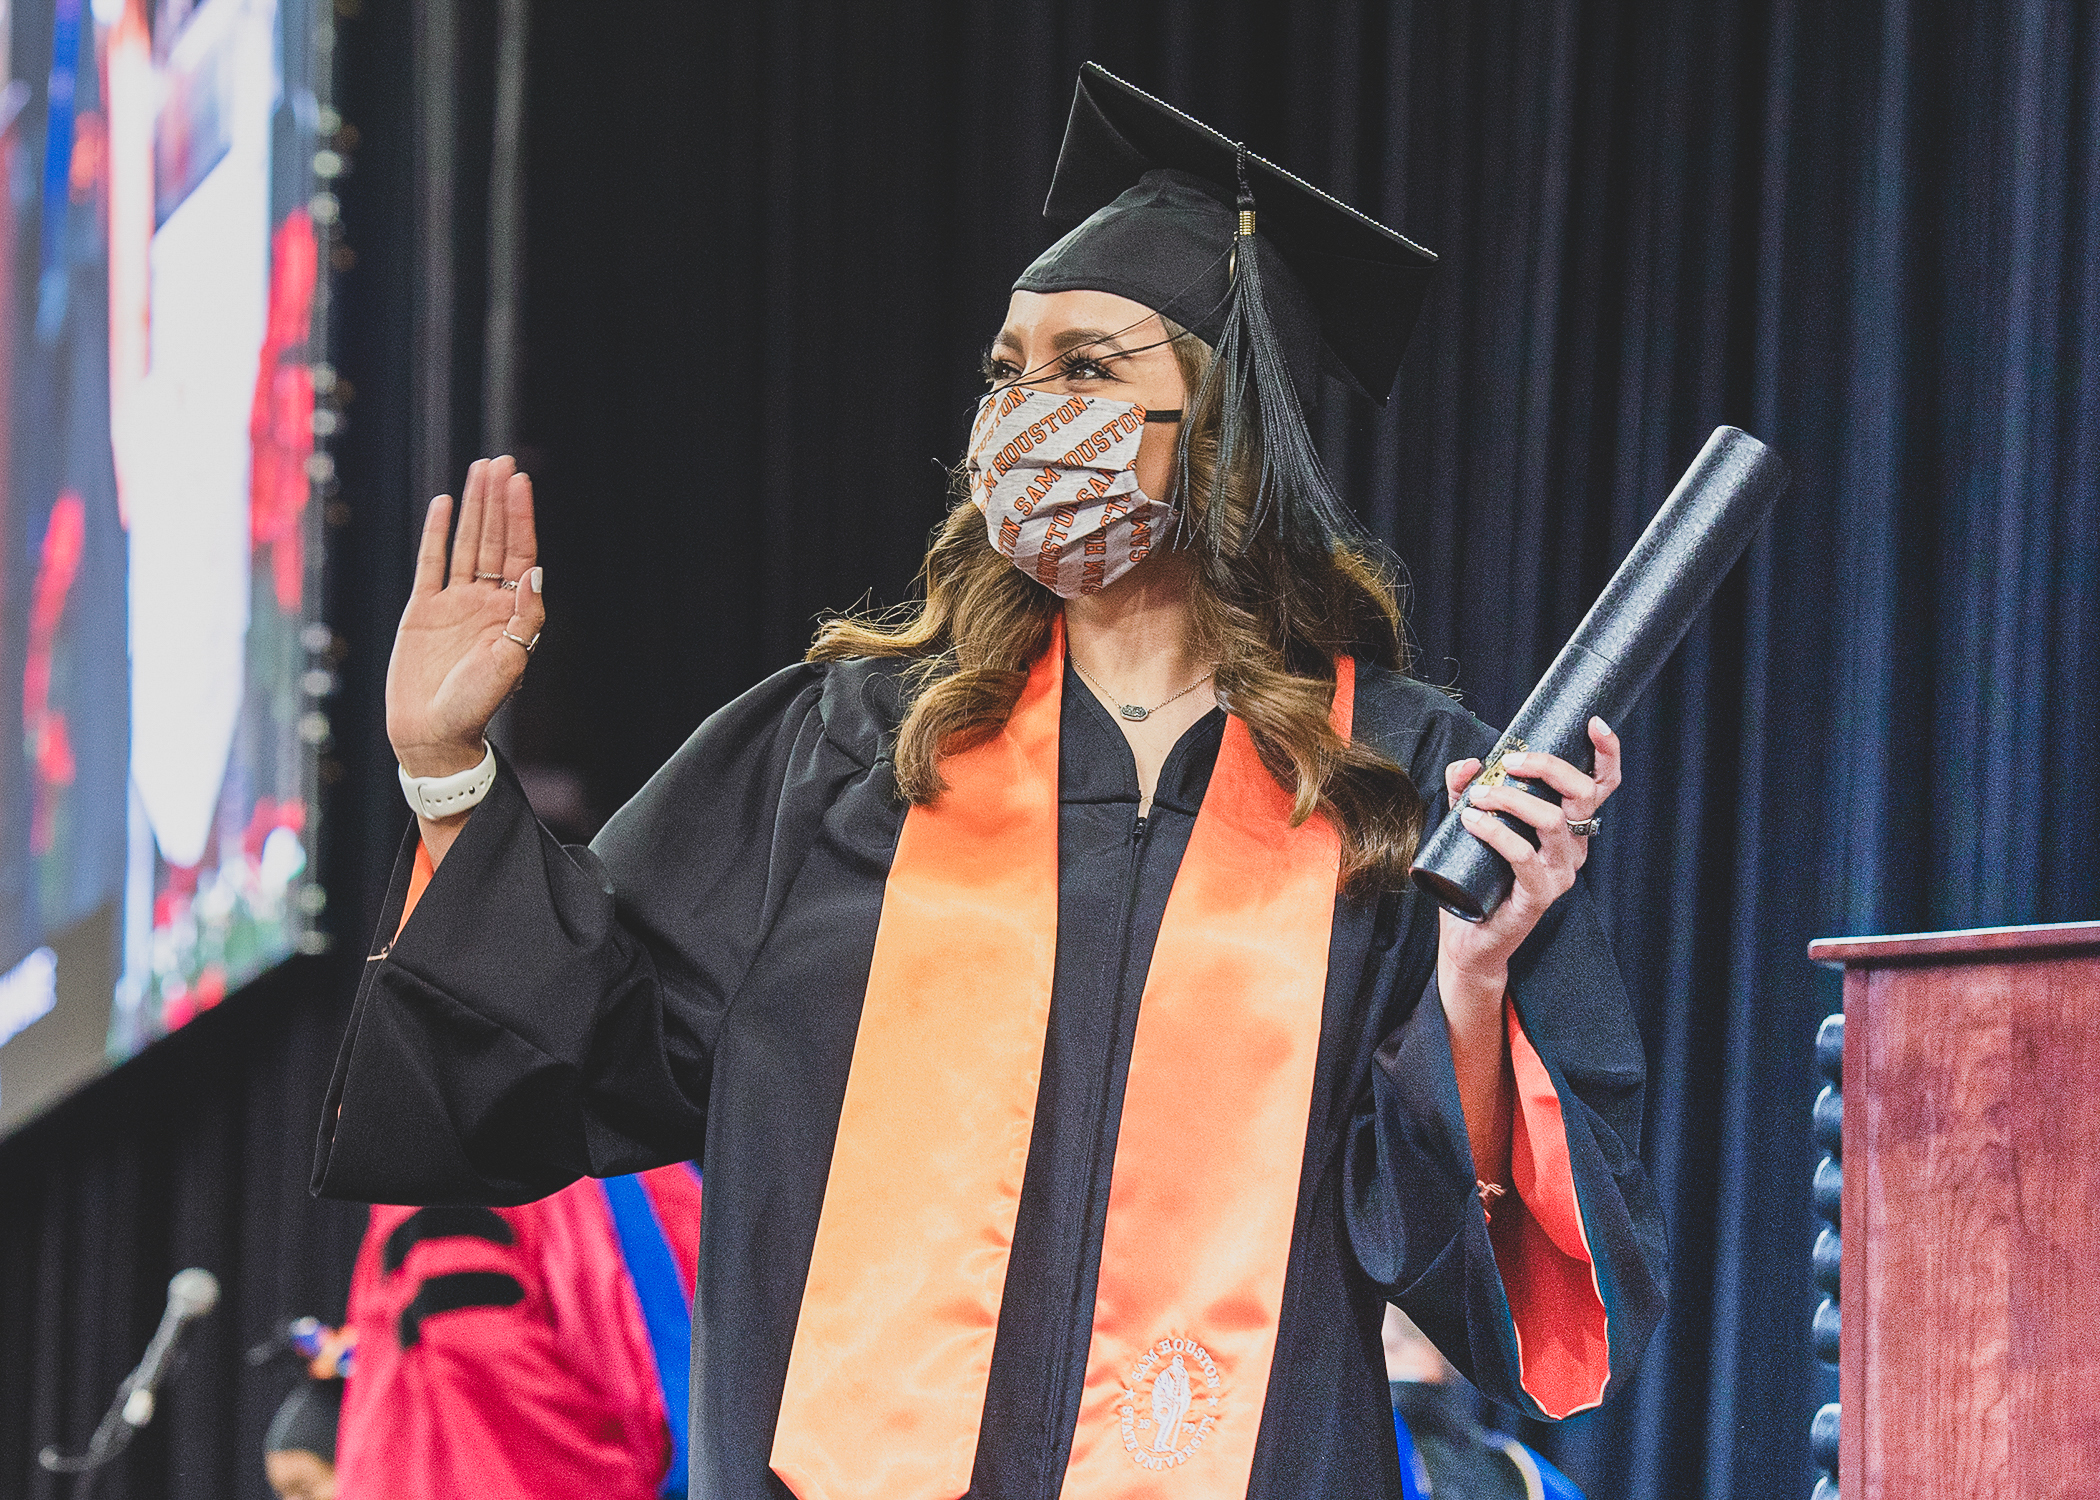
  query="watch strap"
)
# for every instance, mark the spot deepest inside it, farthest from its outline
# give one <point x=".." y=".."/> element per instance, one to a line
<point x="449" y="796"/>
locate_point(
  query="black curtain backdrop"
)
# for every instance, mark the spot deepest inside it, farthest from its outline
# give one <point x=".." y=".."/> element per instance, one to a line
<point x="765" y="247"/>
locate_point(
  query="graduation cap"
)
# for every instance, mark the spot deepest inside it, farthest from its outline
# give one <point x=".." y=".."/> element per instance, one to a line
<point x="1278" y="277"/>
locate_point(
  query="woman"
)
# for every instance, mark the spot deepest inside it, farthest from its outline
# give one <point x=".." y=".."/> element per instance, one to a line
<point x="1075" y="1074"/>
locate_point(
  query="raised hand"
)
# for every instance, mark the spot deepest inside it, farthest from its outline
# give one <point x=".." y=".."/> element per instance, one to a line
<point x="458" y="652"/>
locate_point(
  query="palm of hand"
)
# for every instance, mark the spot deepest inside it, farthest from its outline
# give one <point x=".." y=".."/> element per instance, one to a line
<point x="462" y="644"/>
<point x="1483" y="947"/>
<point x="447" y="679"/>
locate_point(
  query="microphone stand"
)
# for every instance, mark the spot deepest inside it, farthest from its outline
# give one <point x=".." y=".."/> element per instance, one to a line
<point x="130" y="1410"/>
<point x="191" y="1294"/>
<point x="113" y="1434"/>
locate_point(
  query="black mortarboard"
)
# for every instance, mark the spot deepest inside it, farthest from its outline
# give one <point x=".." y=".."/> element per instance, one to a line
<point x="306" y="1421"/>
<point x="1277" y="276"/>
<point x="1157" y="191"/>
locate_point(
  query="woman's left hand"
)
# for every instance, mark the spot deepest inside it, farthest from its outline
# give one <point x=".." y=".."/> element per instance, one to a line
<point x="1475" y="955"/>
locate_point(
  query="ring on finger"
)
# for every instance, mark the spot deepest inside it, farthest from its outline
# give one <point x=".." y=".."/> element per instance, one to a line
<point x="1584" y="828"/>
<point x="529" y="646"/>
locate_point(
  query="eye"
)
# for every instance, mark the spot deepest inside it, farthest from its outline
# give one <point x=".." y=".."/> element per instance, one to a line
<point x="996" y="369"/>
<point x="1077" y="366"/>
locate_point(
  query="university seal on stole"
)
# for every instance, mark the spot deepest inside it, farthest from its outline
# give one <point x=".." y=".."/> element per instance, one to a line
<point x="1170" y="1403"/>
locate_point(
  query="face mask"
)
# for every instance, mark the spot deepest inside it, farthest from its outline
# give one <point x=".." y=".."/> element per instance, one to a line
<point x="1056" y="479"/>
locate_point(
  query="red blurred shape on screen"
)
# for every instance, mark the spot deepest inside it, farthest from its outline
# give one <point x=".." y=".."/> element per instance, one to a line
<point x="281" y="424"/>
<point x="44" y="727"/>
<point x="269" y="816"/>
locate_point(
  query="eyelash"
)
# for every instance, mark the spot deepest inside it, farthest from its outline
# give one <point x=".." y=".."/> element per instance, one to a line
<point x="1071" y="366"/>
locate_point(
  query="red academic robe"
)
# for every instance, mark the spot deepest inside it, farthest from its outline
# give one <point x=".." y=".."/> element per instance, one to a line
<point x="504" y="1352"/>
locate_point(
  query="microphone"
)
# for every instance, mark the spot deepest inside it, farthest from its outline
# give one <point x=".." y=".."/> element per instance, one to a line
<point x="191" y="1294"/>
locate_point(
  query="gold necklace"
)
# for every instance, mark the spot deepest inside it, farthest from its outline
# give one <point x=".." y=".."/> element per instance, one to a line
<point x="1136" y="713"/>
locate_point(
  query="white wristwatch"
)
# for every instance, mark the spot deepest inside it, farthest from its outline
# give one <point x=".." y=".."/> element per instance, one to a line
<point x="449" y="796"/>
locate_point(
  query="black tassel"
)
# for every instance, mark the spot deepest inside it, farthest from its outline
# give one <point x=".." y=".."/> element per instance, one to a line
<point x="1261" y="405"/>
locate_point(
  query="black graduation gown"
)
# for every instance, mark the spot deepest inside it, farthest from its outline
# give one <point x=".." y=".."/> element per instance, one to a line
<point x="690" y="986"/>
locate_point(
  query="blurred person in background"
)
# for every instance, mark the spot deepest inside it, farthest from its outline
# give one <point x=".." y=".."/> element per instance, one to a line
<point x="299" y="1449"/>
<point x="1444" y="1453"/>
<point x="536" y="1352"/>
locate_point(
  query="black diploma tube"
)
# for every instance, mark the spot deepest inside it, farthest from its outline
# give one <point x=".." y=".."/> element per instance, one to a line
<point x="1615" y="652"/>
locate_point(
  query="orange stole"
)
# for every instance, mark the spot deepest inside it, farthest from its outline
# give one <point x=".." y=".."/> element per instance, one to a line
<point x="886" y="1380"/>
<point x="1212" y="1141"/>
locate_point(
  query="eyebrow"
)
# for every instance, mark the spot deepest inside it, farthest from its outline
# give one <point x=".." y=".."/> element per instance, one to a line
<point x="1069" y="339"/>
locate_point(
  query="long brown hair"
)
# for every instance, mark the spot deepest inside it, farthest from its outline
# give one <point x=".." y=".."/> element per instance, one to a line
<point x="1274" y="619"/>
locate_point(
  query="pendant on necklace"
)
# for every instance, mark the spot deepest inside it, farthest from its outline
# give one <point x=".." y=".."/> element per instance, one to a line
<point x="1132" y="711"/>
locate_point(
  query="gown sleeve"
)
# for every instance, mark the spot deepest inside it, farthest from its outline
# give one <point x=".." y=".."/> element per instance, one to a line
<point x="1545" y="1296"/>
<point x="547" y="1012"/>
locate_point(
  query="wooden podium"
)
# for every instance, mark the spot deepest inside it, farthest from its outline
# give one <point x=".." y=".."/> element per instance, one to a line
<point x="1969" y="1361"/>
